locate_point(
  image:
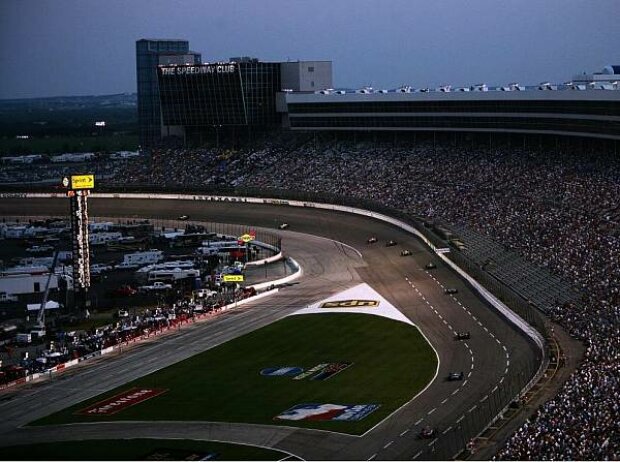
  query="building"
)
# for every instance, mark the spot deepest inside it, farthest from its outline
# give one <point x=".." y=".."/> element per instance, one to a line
<point x="204" y="101"/>
<point x="207" y="100"/>
<point x="545" y="109"/>
<point x="21" y="284"/>
<point x="306" y="75"/>
<point x="150" y="53"/>
<point x="609" y="76"/>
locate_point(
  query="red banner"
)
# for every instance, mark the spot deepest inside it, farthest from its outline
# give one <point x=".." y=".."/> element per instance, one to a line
<point x="122" y="401"/>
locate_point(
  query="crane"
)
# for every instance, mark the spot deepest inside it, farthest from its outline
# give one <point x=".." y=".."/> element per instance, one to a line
<point x="39" y="327"/>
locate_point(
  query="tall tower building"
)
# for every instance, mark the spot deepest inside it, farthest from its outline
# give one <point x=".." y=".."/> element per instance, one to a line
<point x="150" y="53"/>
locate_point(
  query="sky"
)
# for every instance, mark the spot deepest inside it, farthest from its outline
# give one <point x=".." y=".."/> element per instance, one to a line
<point x="82" y="47"/>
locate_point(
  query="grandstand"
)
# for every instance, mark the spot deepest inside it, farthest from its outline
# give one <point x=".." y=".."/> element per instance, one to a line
<point x="533" y="283"/>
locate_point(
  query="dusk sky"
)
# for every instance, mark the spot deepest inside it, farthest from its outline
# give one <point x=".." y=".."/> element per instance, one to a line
<point x="78" y="47"/>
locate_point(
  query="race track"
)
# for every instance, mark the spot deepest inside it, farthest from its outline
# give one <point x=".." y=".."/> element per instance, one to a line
<point x="491" y="360"/>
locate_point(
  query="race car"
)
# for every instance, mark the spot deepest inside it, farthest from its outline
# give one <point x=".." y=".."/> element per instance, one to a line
<point x="183" y="217"/>
<point x="455" y="376"/>
<point x="405" y="253"/>
<point x="463" y="335"/>
<point x="451" y="290"/>
<point x="371" y="240"/>
<point x="391" y="243"/>
<point x="428" y="433"/>
<point x="283" y="226"/>
<point x="430" y="266"/>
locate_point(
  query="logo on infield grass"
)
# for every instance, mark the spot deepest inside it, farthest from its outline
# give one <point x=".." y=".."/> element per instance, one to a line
<point x="328" y="412"/>
<point x="351" y="304"/>
<point x="122" y="401"/>
<point x="281" y="371"/>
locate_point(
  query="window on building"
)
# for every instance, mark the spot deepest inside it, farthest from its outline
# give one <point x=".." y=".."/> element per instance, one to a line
<point x="310" y="68"/>
<point x="312" y="83"/>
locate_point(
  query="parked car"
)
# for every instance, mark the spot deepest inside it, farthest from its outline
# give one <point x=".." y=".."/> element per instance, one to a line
<point x="405" y="253"/>
<point x="451" y="290"/>
<point x="371" y="240"/>
<point x="430" y="266"/>
<point x="283" y="226"/>
<point x="455" y="376"/>
<point x="183" y="217"/>
<point x="391" y="243"/>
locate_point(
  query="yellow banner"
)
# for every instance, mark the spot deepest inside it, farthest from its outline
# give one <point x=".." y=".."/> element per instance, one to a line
<point x="232" y="278"/>
<point x="82" y="181"/>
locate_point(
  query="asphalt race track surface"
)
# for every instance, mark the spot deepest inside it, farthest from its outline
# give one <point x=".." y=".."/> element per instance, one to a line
<point x="332" y="250"/>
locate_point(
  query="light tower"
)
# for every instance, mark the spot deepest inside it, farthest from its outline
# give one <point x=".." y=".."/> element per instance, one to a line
<point x="79" y="187"/>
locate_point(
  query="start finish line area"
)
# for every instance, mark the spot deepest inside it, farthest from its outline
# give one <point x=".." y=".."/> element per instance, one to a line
<point x="342" y="364"/>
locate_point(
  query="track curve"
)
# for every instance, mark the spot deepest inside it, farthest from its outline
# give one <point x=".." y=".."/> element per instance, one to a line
<point x="491" y="360"/>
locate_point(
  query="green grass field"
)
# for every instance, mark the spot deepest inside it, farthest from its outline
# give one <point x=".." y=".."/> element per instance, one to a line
<point x="391" y="360"/>
<point x="138" y="449"/>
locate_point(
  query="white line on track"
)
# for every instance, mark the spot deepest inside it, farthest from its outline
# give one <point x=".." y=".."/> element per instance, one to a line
<point x="445" y="432"/>
<point x="460" y="419"/>
<point x="456" y="391"/>
<point x="465" y="383"/>
<point x="473" y="408"/>
<point x="404" y="433"/>
<point x="445" y="401"/>
<point x="418" y="422"/>
<point x="432" y="442"/>
<point x="372" y="457"/>
<point x="416" y="456"/>
<point x="388" y="444"/>
<point x="484" y="398"/>
<point x="431" y="411"/>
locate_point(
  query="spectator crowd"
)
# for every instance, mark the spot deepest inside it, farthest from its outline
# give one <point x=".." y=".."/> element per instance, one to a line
<point x="559" y="208"/>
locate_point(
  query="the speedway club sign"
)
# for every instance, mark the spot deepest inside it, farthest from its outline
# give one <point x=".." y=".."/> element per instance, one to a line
<point x="122" y="401"/>
<point x="350" y="304"/>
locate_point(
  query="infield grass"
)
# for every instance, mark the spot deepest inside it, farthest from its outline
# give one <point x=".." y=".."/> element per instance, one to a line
<point x="391" y="360"/>
<point x="138" y="449"/>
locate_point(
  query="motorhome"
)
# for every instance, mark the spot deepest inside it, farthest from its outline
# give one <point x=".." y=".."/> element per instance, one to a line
<point x="104" y="238"/>
<point x="137" y="259"/>
<point x="173" y="275"/>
